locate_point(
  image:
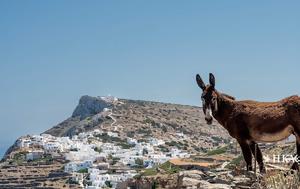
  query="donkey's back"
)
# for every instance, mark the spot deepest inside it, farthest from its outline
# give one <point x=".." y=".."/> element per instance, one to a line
<point x="271" y="121"/>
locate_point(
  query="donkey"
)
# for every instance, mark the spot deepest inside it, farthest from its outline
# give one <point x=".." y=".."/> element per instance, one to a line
<point x="251" y="121"/>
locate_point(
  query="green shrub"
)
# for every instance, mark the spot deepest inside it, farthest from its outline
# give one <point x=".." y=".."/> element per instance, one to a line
<point x="235" y="162"/>
<point x="170" y="168"/>
<point x="98" y="149"/>
<point x="163" y="148"/>
<point x="85" y="170"/>
<point x="144" y="131"/>
<point x="150" y="121"/>
<point x="139" y="162"/>
<point x="220" y="150"/>
<point x="108" y="139"/>
<point x="115" y="160"/>
<point x="125" y="145"/>
<point x="178" y="144"/>
<point x="19" y="157"/>
<point x="108" y="184"/>
<point x="150" y="172"/>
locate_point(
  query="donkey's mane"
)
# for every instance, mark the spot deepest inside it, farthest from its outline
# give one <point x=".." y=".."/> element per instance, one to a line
<point x="228" y="96"/>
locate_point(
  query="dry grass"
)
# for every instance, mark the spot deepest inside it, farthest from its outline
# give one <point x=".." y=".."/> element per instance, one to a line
<point x="276" y="179"/>
<point x="282" y="180"/>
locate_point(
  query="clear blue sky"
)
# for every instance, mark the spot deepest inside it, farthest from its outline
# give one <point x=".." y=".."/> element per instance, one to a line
<point x="53" y="52"/>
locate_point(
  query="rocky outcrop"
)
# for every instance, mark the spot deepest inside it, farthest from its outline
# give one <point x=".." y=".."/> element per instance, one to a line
<point x="9" y="151"/>
<point x="89" y="106"/>
<point x="221" y="179"/>
<point x="196" y="179"/>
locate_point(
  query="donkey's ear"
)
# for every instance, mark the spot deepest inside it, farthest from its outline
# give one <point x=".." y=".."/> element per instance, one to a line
<point x="212" y="80"/>
<point x="200" y="82"/>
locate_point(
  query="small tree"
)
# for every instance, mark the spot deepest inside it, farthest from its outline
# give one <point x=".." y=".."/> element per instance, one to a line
<point x="145" y="151"/>
<point x="97" y="149"/>
<point x="108" y="184"/>
<point x="139" y="162"/>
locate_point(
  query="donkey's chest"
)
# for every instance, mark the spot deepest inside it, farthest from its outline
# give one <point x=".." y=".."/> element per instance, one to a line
<point x="265" y="135"/>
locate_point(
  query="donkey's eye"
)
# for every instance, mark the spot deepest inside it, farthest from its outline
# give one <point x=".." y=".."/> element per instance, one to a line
<point x="213" y="99"/>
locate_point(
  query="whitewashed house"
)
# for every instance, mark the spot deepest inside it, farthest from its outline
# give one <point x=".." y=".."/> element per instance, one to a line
<point x="65" y="143"/>
<point x="77" y="177"/>
<point x="52" y="146"/>
<point x="37" y="140"/>
<point x="98" y="180"/>
<point x="48" y="137"/>
<point x="178" y="153"/>
<point x="112" y="134"/>
<point x="103" y="166"/>
<point x="71" y="167"/>
<point x="85" y="164"/>
<point x="33" y="155"/>
<point x="24" y="143"/>
<point x="132" y="141"/>
<point x="92" y="187"/>
<point x="76" y="166"/>
<point x="109" y="99"/>
<point x="97" y="131"/>
<point x="156" y="142"/>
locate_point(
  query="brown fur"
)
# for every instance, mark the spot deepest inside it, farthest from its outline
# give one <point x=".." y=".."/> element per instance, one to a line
<point x="258" y="117"/>
<point x="251" y="121"/>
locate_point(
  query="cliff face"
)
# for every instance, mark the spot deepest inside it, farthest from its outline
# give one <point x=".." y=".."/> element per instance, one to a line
<point x="89" y="106"/>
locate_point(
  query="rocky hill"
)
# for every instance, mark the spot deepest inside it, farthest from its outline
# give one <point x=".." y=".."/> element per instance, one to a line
<point x="142" y="119"/>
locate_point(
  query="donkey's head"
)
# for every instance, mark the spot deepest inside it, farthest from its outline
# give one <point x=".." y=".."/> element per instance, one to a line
<point x="208" y="97"/>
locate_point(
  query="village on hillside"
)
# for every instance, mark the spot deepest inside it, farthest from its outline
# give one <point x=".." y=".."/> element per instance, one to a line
<point x="87" y="153"/>
<point x="104" y="155"/>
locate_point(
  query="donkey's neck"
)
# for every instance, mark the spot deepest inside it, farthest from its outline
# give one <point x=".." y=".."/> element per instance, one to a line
<point x="226" y="105"/>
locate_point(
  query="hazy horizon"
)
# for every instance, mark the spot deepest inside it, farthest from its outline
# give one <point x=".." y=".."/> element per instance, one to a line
<point x="53" y="52"/>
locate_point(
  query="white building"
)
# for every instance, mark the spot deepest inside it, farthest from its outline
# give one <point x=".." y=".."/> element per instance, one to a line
<point x="132" y="141"/>
<point x="24" y="143"/>
<point x="76" y="166"/>
<point x="178" y="153"/>
<point x="33" y="155"/>
<point x="109" y="99"/>
<point x="156" y="142"/>
<point x="112" y="134"/>
<point x="52" y="146"/>
<point x="37" y="139"/>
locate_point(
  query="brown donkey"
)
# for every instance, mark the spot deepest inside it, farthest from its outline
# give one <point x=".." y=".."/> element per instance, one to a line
<point x="250" y="121"/>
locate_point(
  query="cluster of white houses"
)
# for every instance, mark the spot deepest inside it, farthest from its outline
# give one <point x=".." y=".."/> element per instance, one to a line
<point x="88" y="154"/>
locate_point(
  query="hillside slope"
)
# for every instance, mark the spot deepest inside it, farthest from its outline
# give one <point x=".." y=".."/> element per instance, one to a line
<point x="143" y="119"/>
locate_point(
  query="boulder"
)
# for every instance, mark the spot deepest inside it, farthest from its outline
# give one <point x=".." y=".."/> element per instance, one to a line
<point x="206" y="185"/>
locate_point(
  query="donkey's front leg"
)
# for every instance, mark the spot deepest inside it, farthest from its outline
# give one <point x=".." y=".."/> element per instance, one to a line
<point x="247" y="154"/>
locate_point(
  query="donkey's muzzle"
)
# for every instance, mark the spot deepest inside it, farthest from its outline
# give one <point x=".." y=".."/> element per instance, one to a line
<point x="209" y="120"/>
